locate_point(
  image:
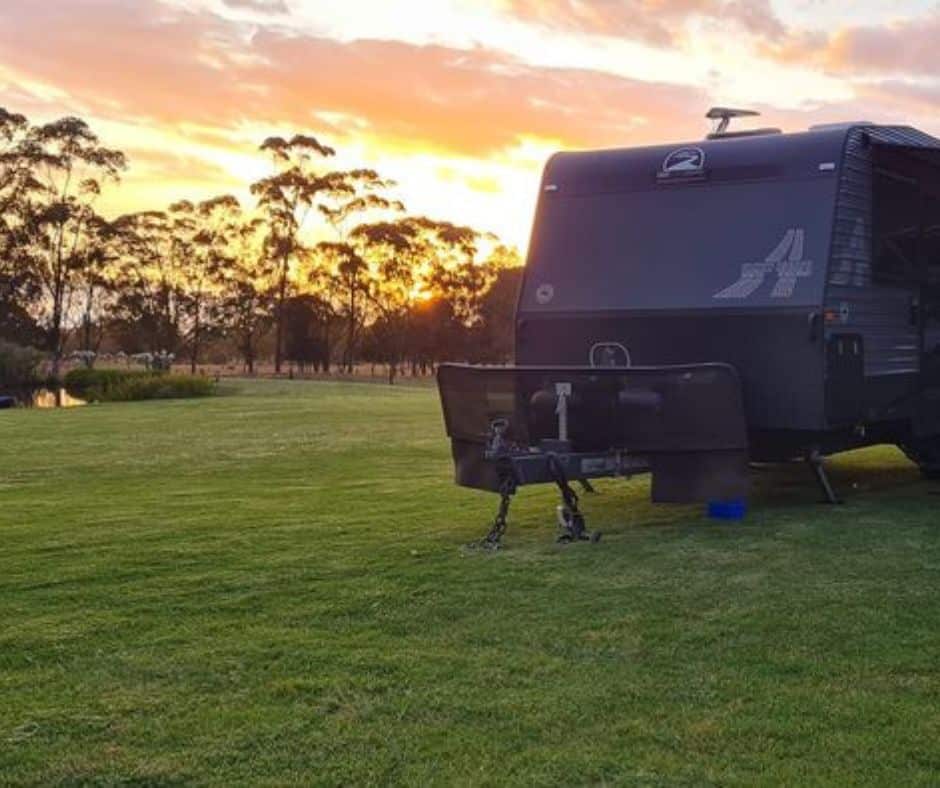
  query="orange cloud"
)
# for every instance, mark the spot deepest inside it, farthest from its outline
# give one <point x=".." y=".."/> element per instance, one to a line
<point x="168" y="166"/>
<point x="470" y="102"/>
<point x="260" y="6"/>
<point x="907" y="47"/>
<point x="656" y="22"/>
<point x="173" y="66"/>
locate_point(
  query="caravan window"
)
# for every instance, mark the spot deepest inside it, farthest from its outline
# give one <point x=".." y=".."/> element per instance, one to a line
<point x="897" y="213"/>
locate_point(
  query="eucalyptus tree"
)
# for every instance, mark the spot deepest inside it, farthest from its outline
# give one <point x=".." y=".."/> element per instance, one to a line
<point x="426" y="287"/>
<point x="248" y="284"/>
<point x="345" y="269"/>
<point x="453" y="271"/>
<point x="307" y="334"/>
<point x="95" y="283"/>
<point x="149" y="308"/>
<point x="68" y="166"/>
<point x="286" y="198"/>
<point x="14" y="178"/>
<point x="395" y="252"/>
<point x="300" y="185"/>
<point x="14" y="172"/>
<point x="208" y="229"/>
<point x="343" y="280"/>
<point x="498" y="307"/>
<point x="19" y="288"/>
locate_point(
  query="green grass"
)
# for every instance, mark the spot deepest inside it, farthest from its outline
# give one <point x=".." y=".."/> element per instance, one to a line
<point x="269" y="587"/>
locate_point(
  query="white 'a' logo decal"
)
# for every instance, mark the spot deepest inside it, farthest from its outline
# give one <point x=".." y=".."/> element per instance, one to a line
<point x="786" y="260"/>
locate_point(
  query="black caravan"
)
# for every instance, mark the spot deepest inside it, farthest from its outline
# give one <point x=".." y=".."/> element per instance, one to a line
<point x="807" y="264"/>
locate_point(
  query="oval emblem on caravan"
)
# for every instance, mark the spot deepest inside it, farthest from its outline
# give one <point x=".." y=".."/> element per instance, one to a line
<point x="685" y="160"/>
<point x="545" y="293"/>
<point x="609" y="354"/>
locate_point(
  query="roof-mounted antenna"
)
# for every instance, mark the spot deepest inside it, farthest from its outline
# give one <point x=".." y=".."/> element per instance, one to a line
<point x="722" y="117"/>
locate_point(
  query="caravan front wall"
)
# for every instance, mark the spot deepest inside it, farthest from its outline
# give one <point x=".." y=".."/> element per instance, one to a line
<point x="728" y="265"/>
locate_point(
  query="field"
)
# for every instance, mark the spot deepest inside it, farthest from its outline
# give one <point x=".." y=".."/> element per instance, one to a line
<point x="269" y="587"/>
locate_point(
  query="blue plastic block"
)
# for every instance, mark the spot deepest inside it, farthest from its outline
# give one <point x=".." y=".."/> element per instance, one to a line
<point x="727" y="510"/>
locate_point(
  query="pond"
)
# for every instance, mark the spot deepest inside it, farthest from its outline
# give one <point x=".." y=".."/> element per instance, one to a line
<point x="46" y="398"/>
<point x="40" y="398"/>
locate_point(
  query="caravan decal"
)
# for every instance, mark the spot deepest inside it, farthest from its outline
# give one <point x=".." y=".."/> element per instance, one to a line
<point x="684" y="161"/>
<point x="786" y="260"/>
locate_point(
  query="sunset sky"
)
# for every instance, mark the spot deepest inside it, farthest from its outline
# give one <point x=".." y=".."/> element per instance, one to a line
<point x="460" y="101"/>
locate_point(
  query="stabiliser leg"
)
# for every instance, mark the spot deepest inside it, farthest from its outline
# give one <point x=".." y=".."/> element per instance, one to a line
<point x="816" y="462"/>
<point x="570" y="519"/>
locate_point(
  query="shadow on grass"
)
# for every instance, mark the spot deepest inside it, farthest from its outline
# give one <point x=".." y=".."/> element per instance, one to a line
<point x="878" y="470"/>
<point x="873" y="482"/>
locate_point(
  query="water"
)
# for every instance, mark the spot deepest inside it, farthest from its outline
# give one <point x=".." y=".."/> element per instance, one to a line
<point x="46" y="398"/>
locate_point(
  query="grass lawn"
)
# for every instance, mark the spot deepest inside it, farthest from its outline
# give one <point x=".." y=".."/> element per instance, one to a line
<point x="269" y="587"/>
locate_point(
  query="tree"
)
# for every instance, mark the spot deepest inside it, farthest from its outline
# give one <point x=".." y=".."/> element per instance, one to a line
<point x="69" y="166"/>
<point x="247" y="283"/>
<point x="497" y="312"/>
<point x="344" y="277"/>
<point x="306" y="331"/>
<point x="453" y="271"/>
<point x="361" y="197"/>
<point x="95" y="281"/>
<point x="148" y="310"/>
<point x="399" y="288"/>
<point x="434" y="334"/>
<point x="395" y="251"/>
<point x="345" y="268"/>
<point x="286" y="199"/>
<point x="19" y="287"/>
<point x="209" y="232"/>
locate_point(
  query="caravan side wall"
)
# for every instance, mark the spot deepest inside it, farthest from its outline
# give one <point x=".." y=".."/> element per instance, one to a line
<point x="857" y="305"/>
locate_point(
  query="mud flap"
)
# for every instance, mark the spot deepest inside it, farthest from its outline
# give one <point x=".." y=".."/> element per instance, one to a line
<point x="685" y="424"/>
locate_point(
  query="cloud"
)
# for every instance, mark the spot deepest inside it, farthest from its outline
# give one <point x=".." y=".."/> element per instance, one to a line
<point x="471" y="101"/>
<point x="171" y="66"/>
<point x="210" y="79"/>
<point x="656" y="22"/>
<point x="260" y="6"/>
<point x="893" y="70"/>
<point x="905" y="47"/>
<point x="170" y="166"/>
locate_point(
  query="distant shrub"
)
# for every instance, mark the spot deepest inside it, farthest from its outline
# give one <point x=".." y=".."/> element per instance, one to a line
<point x="96" y="384"/>
<point x="19" y="366"/>
<point x="161" y="387"/>
<point x="117" y="385"/>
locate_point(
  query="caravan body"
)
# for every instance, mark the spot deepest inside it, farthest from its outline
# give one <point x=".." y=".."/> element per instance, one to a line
<point x="806" y="264"/>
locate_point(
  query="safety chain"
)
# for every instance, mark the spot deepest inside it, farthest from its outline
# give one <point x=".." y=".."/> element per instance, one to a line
<point x="497" y="449"/>
<point x="507" y="488"/>
<point x="570" y="519"/>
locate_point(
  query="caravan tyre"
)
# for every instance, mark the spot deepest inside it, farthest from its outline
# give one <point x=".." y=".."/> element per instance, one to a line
<point x="926" y="454"/>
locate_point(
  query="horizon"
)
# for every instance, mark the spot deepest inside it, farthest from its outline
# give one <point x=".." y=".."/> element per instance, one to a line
<point x="459" y="102"/>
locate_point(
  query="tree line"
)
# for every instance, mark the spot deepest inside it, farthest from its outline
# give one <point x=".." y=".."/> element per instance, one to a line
<point x="323" y="268"/>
